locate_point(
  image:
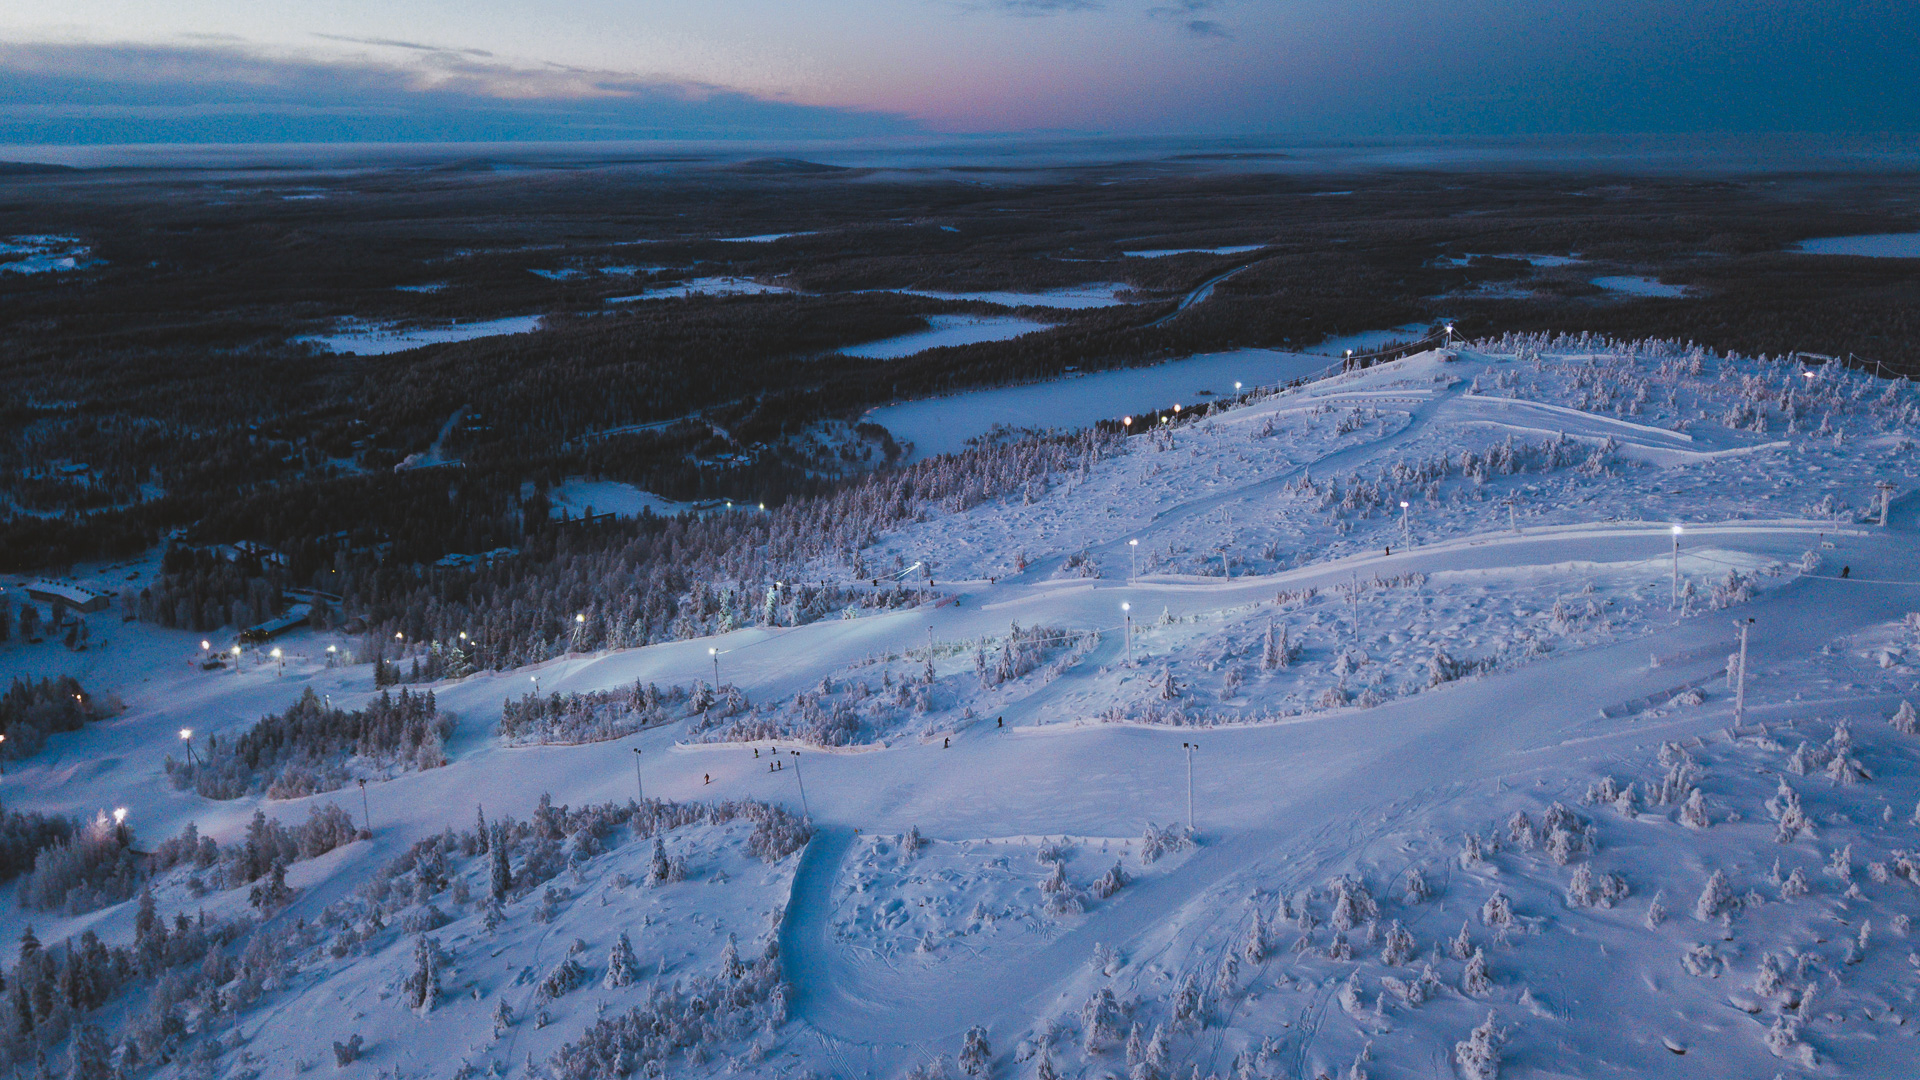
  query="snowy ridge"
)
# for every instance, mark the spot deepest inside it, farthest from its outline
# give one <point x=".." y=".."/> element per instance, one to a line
<point x="1476" y="789"/>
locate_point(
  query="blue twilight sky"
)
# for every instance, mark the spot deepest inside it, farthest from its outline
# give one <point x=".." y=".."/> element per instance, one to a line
<point x="115" y="71"/>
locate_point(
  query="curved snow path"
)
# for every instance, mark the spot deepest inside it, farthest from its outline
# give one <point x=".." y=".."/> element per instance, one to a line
<point x="1300" y="784"/>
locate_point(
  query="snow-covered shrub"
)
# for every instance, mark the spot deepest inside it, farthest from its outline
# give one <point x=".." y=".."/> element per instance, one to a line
<point x="1903" y="719"/>
<point x="1110" y="882"/>
<point x="1100" y="1021"/>
<point x="1497" y="912"/>
<point x="1158" y="841"/>
<point x="1715" y="898"/>
<point x="1693" y="812"/>
<point x="1478" y="1055"/>
<point x="346" y="1053"/>
<point x="1795" y="885"/>
<point x="975" y="1053"/>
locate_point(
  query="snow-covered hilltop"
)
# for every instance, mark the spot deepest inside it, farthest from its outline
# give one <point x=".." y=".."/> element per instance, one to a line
<point x="1391" y="724"/>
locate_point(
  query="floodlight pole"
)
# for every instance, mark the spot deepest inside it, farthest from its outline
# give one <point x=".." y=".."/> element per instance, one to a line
<point x="806" y="813"/>
<point x="1190" y="747"/>
<point x="1740" y="687"/>
<point x="637" y="787"/>
<point x="1674" y="602"/>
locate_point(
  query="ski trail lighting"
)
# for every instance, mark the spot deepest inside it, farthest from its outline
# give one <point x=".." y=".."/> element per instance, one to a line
<point x="186" y="739"/>
<point x="332" y="650"/>
<point x="1190" y="747"/>
<point x="366" y="809"/>
<point x="279" y="662"/>
<point x="1740" y="687"/>
<point x="1127" y="611"/>
<point x="236" y="659"/>
<point x="802" y="781"/>
<point x="1449" y="335"/>
<point x="1674" y="601"/>
<point x="1406" y="529"/>
<point x="715" y="654"/>
<point x="1133" y="560"/>
<point x="642" y="791"/>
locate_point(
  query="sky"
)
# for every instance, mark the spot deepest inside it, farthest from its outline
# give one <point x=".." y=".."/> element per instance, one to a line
<point x="117" y="71"/>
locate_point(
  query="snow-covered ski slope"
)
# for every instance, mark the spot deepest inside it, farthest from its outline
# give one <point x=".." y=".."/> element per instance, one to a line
<point x="1468" y="791"/>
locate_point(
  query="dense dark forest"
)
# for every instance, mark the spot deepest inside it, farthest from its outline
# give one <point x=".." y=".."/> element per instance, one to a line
<point x="167" y="392"/>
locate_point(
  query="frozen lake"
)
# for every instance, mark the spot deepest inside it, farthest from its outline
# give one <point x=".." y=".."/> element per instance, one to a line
<point x="1077" y="297"/>
<point x="1366" y="340"/>
<point x="946" y="330"/>
<point x="1877" y="246"/>
<point x="943" y="425"/>
<point x="1639" y="286"/>
<point x="1161" y="253"/>
<point x="367" y="339"/>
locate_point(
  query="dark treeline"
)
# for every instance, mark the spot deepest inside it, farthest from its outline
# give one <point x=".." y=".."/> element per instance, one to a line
<point x="31" y="711"/>
<point x="306" y="748"/>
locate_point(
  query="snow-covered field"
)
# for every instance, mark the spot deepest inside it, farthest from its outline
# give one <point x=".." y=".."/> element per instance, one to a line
<point x="44" y="254"/>
<point x="1878" y="245"/>
<point x="946" y="330"/>
<point x="370" y="339"/>
<point x="581" y="498"/>
<point x="707" y="286"/>
<point x="1474" y="787"/>
<point x="1161" y="253"/>
<point x="944" y="425"/>
<point x="1632" y="285"/>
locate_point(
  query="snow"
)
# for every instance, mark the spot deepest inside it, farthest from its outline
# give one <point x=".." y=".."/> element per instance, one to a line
<point x="946" y="330"/>
<point x="1530" y="260"/>
<point x="1878" y="246"/>
<point x="762" y="238"/>
<point x="1076" y="298"/>
<point x="1160" y="253"/>
<point x="1543" y="478"/>
<point x="944" y="425"/>
<point x="44" y="254"/>
<point x="706" y="286"/>
<point x="577" y="496"/>
<point x="1632" y="285"/>
<point x="379" y="339"/>
<point x="1367" y="340"/>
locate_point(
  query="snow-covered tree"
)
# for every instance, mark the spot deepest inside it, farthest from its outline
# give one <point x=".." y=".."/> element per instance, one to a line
<point x="422" y="988"/>
<point x="622" y="967"/>
<point x="975" y="1053"/>
<point x="1715" y="898"/>
<point x="1478" y="1055"/>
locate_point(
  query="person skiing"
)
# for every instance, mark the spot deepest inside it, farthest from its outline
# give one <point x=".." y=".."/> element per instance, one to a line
<point x="946" y="743"/>
<point x="1844" y="571"/>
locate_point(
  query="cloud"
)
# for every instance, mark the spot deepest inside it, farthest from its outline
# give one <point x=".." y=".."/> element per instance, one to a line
<point x="390" y="43"/>
<point x="91" y="94"/>
<point x="1044" y="7"/>
<point x="1184" y="14"/>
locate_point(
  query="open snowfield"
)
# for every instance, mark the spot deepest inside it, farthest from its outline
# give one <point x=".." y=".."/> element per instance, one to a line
<point x="367" y="339"/>
<point x="1474" y="790"/>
